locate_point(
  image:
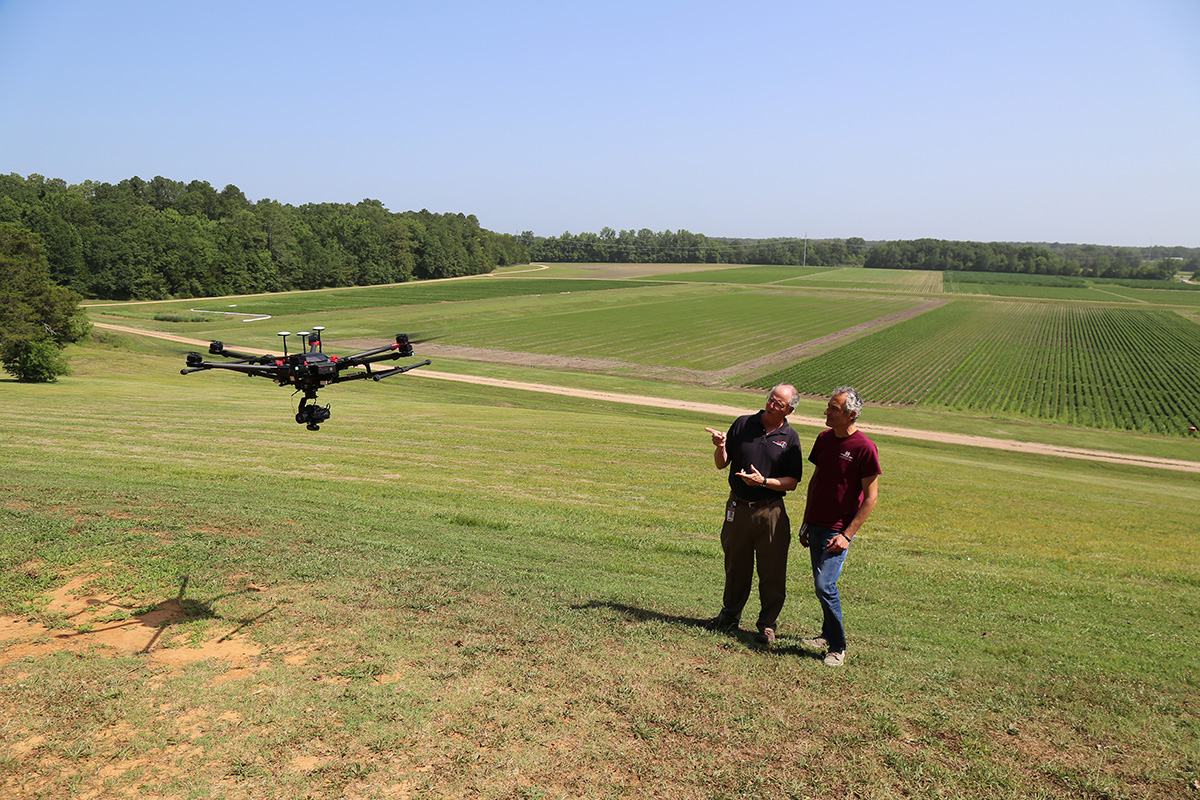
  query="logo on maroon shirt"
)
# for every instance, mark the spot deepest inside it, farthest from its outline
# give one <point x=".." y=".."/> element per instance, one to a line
<point x="845" y="455"/>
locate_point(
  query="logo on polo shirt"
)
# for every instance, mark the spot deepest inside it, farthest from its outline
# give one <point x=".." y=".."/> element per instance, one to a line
<point x="781" y="443"/>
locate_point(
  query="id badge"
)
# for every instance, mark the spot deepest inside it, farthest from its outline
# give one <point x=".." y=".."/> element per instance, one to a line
<point x="729" y="509"/>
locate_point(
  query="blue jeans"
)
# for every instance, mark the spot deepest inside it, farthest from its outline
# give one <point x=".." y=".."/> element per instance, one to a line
<point x="826" y="569"/>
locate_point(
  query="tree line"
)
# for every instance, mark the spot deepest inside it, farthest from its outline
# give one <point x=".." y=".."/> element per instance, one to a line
<point x="684" y="247"/>
<point x="162" y="238"/>
<point x="1088" y="261"/>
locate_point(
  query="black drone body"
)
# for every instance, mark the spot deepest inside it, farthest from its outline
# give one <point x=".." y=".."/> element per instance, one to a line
<point x="308" y="370"/>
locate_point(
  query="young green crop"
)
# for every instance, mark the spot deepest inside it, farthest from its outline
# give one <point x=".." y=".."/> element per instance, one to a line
<point x="1115" y="368"/>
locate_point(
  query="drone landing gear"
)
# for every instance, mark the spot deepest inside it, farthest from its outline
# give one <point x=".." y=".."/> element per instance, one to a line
<point x="311" y="416"/>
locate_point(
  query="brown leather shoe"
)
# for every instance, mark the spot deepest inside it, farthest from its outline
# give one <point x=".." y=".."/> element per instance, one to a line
<point x="766" y="636"/>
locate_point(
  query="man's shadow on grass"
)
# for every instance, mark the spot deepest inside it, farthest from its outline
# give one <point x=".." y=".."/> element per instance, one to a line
<point x="784" y="645"/>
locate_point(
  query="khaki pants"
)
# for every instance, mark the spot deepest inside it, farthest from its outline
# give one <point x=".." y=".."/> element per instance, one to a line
<point x="760" y="534"/>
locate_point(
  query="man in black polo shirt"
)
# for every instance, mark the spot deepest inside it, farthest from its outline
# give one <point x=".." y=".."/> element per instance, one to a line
<point x="766" y="461"/>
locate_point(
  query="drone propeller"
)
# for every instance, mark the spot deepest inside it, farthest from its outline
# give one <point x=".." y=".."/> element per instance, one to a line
<point x="422" y="339"/>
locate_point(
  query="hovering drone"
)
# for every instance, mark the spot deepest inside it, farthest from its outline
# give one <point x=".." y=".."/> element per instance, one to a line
<point x="308" y="370"/>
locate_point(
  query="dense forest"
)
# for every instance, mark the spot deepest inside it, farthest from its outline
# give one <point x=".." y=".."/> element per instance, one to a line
<point x="162" y="238"/>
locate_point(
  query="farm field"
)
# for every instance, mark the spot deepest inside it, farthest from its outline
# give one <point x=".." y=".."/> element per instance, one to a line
<point x="1051" y="287"/>
<point x="325" y="300"/>
<point x="438" y="595"/>
<point x="1030" y="358"/>
<point x="748" y="275"/>
<point x="892" y="280"/>
<point x="679" y="326"/>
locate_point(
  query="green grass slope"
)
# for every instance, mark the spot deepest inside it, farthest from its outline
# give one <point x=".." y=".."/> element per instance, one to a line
<point x="456" y="590"/>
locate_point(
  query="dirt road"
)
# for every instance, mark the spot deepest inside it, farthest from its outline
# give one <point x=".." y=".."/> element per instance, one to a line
<point x="727" y="412"/>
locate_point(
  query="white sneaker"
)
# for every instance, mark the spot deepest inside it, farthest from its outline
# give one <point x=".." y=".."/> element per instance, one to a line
<point x="835" y="658"/>
<point x="817" y="643"/>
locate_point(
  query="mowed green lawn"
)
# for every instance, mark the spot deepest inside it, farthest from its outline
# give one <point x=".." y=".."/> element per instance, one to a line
<point x="454" y="590"/>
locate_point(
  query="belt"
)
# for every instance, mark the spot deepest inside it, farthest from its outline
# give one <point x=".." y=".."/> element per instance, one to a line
<point x="737" y="501"/>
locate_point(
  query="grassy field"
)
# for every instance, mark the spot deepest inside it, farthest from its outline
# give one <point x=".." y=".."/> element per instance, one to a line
<point x="456" y="590"/>
<point x="319" y="301"/>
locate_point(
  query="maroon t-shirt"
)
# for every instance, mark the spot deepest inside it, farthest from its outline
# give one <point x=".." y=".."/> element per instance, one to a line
<point x="841" y="466"/>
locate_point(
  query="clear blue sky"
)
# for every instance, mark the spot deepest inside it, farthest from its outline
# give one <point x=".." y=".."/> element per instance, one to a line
<point x="993" y="121"/>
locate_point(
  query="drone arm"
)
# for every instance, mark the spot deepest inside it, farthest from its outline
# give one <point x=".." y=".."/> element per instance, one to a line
<point x="378" y="376"/>
<point x="218" y="349"/>
<point x="353" y="376"/>
<point x="265" y="370"/>
<point x="360" y="359"/>
<point x="389" y="349"/>
<point x="401" y="349"/>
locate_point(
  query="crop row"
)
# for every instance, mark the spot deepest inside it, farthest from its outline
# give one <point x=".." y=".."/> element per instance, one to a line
<point x="1117" y="368"/>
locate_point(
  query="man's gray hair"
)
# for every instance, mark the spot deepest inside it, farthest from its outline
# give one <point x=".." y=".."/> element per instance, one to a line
<point x="795" y="401"/>
<point x="853" y="402"/>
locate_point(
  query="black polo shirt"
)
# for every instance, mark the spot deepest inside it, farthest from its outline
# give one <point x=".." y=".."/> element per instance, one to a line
<point x="777" y="455"/>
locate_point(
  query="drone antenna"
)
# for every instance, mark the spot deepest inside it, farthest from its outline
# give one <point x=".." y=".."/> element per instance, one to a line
<point x="303" y="340"/>
<point x="284" y="334"/>
<point x="316" y="338"/>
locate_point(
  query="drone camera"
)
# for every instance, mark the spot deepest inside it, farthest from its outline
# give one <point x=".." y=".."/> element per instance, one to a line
<point x="312" y="416"/>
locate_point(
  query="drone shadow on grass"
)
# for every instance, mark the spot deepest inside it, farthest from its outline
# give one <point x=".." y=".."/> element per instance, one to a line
<point x="784" y="645"/>
<point x="175" y="611"/>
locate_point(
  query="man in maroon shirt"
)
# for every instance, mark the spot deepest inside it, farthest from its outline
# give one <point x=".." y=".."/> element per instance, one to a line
<point x="842" y="493"/>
